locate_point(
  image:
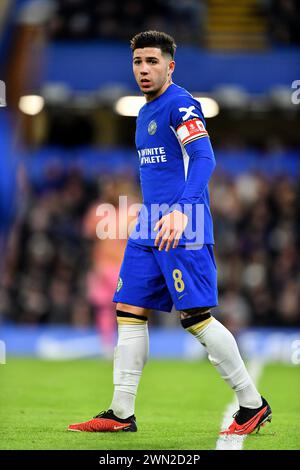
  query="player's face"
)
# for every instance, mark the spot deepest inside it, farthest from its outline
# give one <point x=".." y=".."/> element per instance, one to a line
<point x="152" y="70"/>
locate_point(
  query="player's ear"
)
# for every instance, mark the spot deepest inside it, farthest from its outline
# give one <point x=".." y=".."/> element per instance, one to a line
<point x="171" y="66"/>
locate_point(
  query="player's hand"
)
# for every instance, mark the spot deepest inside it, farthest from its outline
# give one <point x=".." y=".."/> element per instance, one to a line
<point x="171" y="227"/>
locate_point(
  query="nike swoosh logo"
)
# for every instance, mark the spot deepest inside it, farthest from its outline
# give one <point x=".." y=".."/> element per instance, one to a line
<point x="120" y="427"/>
<point x="181" y="296"/>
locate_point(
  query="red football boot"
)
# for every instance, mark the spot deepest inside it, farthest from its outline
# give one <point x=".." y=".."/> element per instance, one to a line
<point x="247" y="420"/>
<point x="105" y="421"/>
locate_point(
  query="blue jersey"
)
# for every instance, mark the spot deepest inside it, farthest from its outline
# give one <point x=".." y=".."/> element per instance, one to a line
<point x="170" y="129"/>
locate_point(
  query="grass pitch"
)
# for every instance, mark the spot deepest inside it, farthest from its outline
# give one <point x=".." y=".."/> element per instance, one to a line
<point x="179" y="406"/>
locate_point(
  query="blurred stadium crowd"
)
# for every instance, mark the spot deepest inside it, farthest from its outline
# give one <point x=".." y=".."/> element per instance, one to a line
<point x="112" y="19"/>
<point x="59" y="272"/>
<point x="185" y="19"/>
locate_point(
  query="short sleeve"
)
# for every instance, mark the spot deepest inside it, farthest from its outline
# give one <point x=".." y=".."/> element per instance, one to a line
<point x="187" y="119"/>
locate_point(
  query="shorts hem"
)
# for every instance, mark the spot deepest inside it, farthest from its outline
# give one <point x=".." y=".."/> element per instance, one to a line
<point x="197" y="305"/>
<point x="145" y="305"/>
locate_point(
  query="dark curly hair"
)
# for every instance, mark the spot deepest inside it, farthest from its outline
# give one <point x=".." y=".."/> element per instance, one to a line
<point x="154" y="39"/>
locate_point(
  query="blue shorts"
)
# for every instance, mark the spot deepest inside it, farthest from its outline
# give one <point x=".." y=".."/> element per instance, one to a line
<point x="158" y="279"/>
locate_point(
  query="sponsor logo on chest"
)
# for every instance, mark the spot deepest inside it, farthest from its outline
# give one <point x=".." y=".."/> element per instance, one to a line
<point x="152" y="155"/>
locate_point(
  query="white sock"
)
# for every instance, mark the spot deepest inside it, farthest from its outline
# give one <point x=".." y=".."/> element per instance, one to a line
<point x="131" y="354"/>
<point x="223" y="353"/>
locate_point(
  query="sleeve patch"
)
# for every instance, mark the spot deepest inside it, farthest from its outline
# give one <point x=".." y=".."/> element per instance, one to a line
<point x="191" y="130"/>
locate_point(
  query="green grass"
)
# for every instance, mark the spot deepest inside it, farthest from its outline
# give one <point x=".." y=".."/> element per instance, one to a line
<point x="281" y="385"/>
<point x="179" y="406"/>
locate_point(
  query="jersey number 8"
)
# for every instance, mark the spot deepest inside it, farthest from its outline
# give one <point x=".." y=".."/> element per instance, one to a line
<point x="178" y="281"/>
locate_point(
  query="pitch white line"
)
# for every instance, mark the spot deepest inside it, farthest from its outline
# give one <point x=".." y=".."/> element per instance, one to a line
<point x="235" y="442"/>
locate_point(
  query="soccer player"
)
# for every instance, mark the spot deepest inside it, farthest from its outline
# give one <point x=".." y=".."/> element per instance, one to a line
<point x="165" y="261"/>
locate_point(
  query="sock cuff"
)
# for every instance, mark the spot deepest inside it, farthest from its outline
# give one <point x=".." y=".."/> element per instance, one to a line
<point x="194" y="319"/>
<point x="126" y="318"/>
<point x="198" y="327"/>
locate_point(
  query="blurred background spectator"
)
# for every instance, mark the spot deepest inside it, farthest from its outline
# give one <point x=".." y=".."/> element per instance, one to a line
<point x="284" y="21"/>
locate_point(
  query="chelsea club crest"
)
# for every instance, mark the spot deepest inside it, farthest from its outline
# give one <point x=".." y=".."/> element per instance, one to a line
<point x="152" y="127"/>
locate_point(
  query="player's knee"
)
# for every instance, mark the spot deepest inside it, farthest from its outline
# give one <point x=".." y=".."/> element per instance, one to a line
<point x="194" y="316"/>
<point x="145" y="312"/>
<point x="127" y="318"/>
